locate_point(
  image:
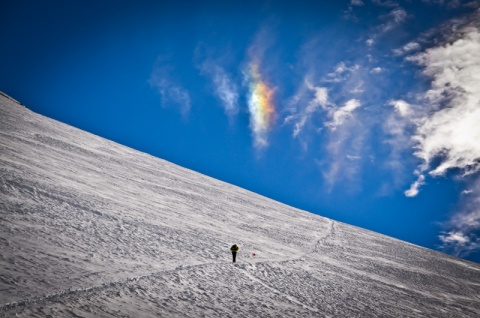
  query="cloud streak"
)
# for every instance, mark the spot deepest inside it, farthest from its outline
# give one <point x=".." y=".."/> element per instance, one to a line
<point x="345" y="135"/>
<point x="170" y="91"/>
<point x="318" y="101"/>
<point x="461" y="236"/>
<point x="341" y="114"/>
<point x="224" y="87"/>
<point x="357" y="3"/>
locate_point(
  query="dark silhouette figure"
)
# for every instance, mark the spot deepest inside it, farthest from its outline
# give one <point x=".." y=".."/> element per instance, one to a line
<point x="234" y="249"/>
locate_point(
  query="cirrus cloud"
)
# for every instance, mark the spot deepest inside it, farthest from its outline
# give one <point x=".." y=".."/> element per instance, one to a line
<point x="224" y="86"/>
<point x="171" y="92"/>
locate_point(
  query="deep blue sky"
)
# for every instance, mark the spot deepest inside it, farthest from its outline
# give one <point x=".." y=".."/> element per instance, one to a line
<point x="188" y="82"/>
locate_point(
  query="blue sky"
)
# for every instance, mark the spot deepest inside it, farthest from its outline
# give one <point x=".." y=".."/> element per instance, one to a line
<point x="364" y="111"/>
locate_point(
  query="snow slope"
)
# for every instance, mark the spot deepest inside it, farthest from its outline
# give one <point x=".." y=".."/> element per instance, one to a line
<point x="90" y="228"/>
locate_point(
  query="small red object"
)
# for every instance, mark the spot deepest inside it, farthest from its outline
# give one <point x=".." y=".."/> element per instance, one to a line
<point x="254" y="254"/>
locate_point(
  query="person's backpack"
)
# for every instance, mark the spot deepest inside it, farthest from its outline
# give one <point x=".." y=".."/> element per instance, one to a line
<point x="234" y="248"/>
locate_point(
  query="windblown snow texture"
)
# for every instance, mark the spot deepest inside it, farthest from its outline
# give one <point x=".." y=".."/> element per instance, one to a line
<point x="90" y="228"/>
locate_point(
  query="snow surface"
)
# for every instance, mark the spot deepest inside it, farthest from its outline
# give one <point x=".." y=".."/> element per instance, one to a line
<point x="90" y="228"/>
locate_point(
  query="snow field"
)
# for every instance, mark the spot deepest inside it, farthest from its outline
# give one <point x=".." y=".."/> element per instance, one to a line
<point x="90" y="228"/>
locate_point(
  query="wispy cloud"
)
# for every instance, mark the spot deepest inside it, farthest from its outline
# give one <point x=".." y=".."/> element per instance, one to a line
<point x="327" y="110"/>
<point x="318" y="100"/>
<point x="399" y="15"/>
<point x="345" y="148"/>
<point x="224" y="86"/>
<point x="171" y="92"/>
<point x="403" y="108"/>
<point x="357" y="3"/>
<point x="311" y="99"/>
<point x="341" y="73"/>
<point x="407" y="48"/>
<point x="344" y="135"/>
<point x="341" y="114"/>
<point x="354" y="94"/>
<point x="462" y="234"/>
<point x="411" y="46"/>
<point x="415" y="187"/>
<point x="394" y="18"/>
<point x="385" y="3"/>
<point x="454" y="3"/>
<point x="397" y="128"/>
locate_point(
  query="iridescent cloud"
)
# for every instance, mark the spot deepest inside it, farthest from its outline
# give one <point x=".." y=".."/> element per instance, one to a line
<point x="260" y="104"/>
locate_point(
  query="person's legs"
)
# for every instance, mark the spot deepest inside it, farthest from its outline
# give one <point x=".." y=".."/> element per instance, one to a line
<point x="234" y="254"/>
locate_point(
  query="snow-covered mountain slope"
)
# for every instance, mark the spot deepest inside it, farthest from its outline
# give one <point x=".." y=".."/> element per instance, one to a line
<point x="90" y="228"/>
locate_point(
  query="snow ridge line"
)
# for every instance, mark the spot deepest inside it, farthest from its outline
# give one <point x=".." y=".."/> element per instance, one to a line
<point x="11" y="98"/>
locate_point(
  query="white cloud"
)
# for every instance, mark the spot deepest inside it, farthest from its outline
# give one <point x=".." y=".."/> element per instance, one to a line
<point x="345" y="148"/>
<point x="376" y="70"/>
<point x="357" y="3"/>
<point x="350" y="157"/>
<point x="441" y="2"/>
<point x="320" y="99"/>
<point x="447" y="132"/>
<point x="224" y="87"/>
<point x="407" y="48"/>
<point x="341" y="114"/>
<point x="454" y="3"/>
<point x="314" y="97"/>
<point x="327" y="107"/>
<point x="397" y="126"/>
<point x="454" y="237"/>
<point x="357" y="89"/>
<point x="403" y="108"/>
<point x="170" y="91"/>
<point x="469" y="220"/>
<point x="227" y="92"/>
<point x="450" y="130"/>
<point x="415" y="187"/>
<point x="474" y="4"/>
<point x="411" y="46"/>
<point x="385" y="3"/>
<point x="370" y="42"/>
<point x="345" y="136"/>
<point x="341" y="73"/>
<point x="399" y="15"/>
<point x="462" y="234"/>
<point x="393" y="19"/>
<point x="462" y="240"/>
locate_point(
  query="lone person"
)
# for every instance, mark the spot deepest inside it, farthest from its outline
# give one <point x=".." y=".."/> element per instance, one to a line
<point x="234" y="250"/>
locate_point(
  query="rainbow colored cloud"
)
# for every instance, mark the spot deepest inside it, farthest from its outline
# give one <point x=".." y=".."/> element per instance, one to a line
<point x="260" y="104"/>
